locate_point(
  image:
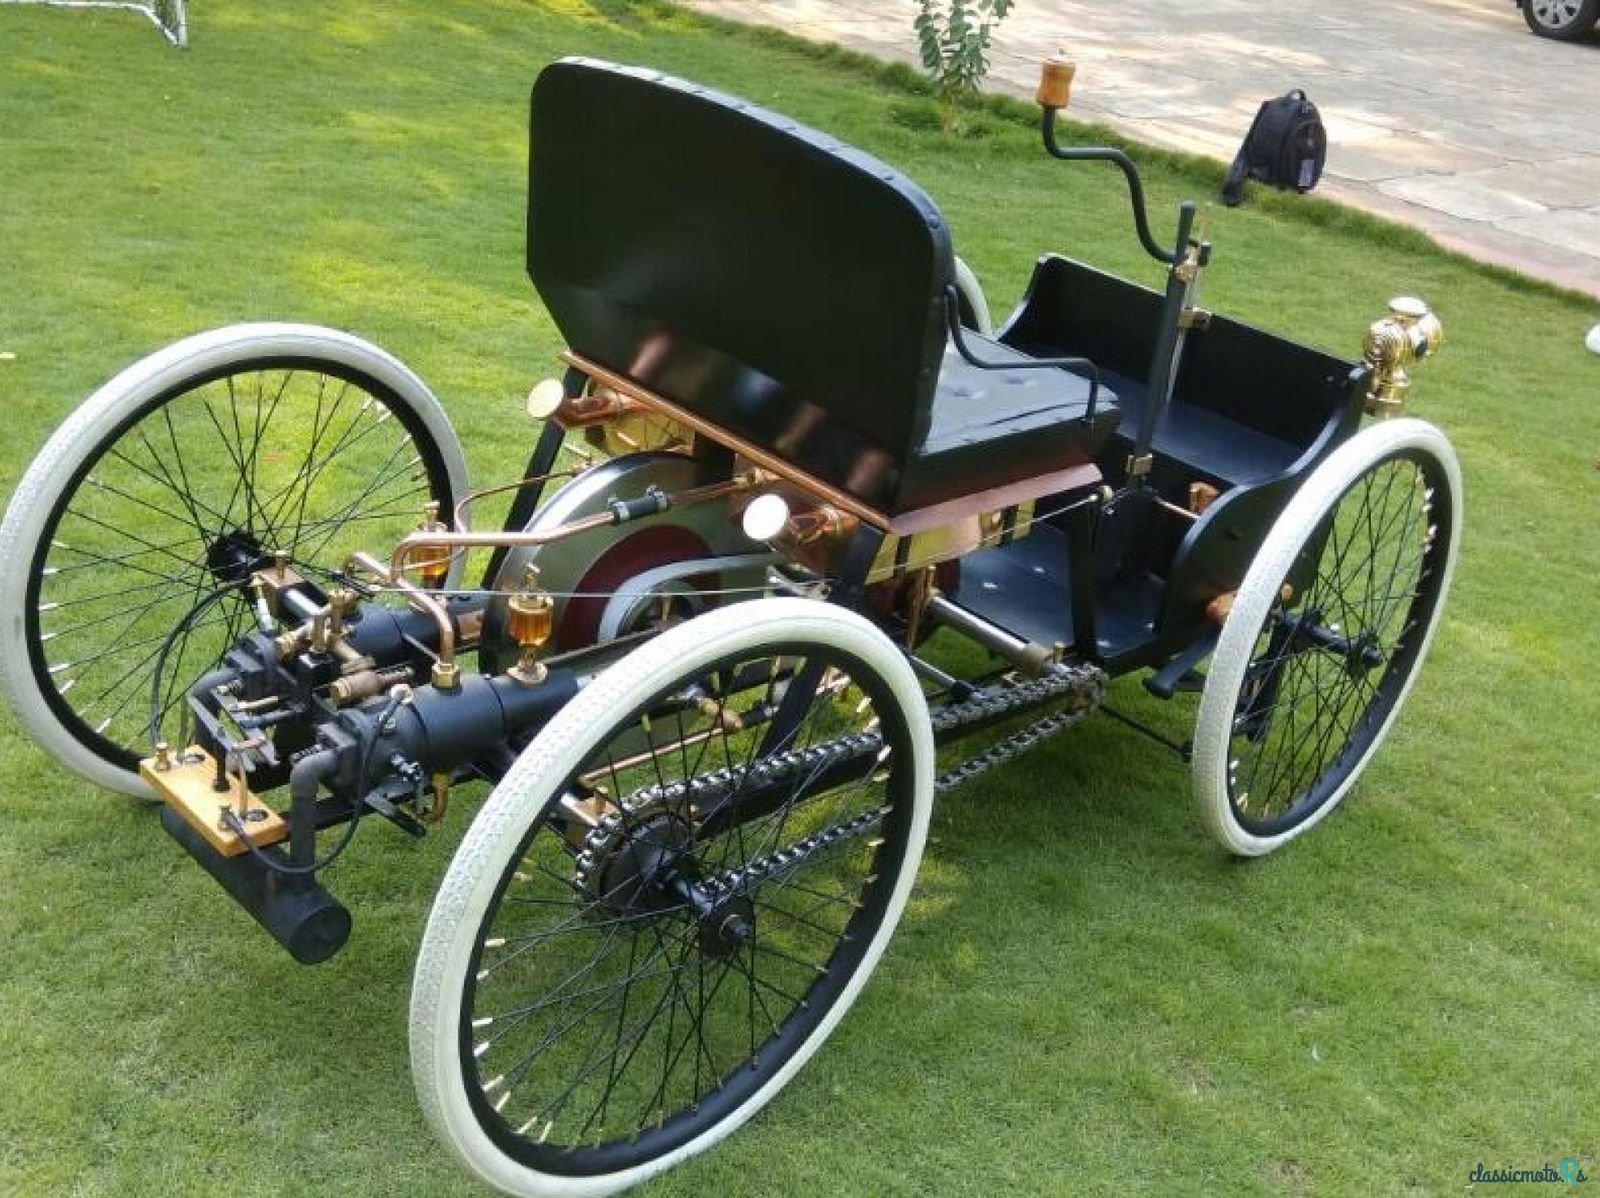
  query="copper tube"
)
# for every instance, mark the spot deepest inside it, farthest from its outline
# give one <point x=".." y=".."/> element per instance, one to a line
<point x="411" y="543"/>
<point x="714" y="432"/>
<point x="416" y="596"/>
<point x="458" y="516"/>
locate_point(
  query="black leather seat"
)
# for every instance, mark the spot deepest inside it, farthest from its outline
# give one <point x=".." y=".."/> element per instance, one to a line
<point x="781" y="285"/>
<point x="993" y="427"/>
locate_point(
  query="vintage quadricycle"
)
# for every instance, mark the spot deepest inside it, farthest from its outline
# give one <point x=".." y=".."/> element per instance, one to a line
<point x="795" y="518"/>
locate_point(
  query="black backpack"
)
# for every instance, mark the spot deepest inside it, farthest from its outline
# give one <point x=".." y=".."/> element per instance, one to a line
<point x="1286" y="147"/>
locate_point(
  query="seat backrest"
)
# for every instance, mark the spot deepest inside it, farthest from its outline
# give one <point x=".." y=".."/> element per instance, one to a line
<point x="769" y="278"/>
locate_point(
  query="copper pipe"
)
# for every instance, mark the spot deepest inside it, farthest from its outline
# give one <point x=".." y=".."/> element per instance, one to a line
<point x="416" y="596"/>
<point x="712" y="431"/>
<point x="459" y="514"/>
<point x="415" y="541"/>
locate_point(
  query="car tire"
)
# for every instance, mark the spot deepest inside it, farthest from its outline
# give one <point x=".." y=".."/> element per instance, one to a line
<point x="1563" y="20"/>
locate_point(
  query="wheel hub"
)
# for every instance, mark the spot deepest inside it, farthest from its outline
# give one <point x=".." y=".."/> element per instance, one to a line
<point x="234" y="556"/>
<point x="1361" y="654"/>
<point x="649" y="866"/>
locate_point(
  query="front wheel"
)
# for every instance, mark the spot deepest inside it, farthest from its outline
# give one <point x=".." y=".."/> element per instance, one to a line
<point x="672" y="898"/>
<point x="1326" y="635"/>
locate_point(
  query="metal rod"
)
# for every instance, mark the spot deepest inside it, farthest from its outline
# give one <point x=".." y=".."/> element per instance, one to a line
<point x="952" y="303"/>
<point x="1169" y="339"/>
<point x="1031" y="656"/>
<point x="763" y="458"/>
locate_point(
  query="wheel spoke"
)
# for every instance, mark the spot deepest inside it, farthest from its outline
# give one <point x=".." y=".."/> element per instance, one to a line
<point x="1330" y="662"/>
<point x="703" y="936"/>
<point x="192" y="486"/>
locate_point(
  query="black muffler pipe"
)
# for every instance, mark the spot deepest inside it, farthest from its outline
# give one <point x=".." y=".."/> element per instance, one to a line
<point x="297" y="912"/>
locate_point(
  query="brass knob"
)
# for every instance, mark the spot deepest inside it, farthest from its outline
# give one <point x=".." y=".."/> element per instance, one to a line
<point x="1055" y="81"/>
<point x="545" y="398"/>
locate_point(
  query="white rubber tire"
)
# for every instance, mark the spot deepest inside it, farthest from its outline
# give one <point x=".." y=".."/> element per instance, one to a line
<point x="521" y="797"/>
<point x="972" y="291"/>
<point x="1235" y="648"/>
<point x="84" y="432"/>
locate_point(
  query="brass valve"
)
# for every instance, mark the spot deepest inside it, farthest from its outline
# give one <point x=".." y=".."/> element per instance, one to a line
<point x="431" y="571"/>
<point x="1410" y="334"/>
<point x="530" y="619"/>
<point x="1055" y="81"/>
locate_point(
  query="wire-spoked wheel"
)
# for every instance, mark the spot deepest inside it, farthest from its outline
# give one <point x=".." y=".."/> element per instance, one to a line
<point x="672" y="898"/>
<point x="130" y="541"/>
<point x="1326" y="635"/>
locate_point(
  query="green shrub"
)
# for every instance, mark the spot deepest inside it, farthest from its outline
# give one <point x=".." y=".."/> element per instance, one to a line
<point x="953" y="38"/>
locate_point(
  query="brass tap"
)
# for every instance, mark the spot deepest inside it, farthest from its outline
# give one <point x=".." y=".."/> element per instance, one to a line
<point x="1409" y="334"/>
<point x="530" y="619"/>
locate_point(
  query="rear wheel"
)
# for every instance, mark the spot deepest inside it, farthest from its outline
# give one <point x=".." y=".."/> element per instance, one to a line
<point x="672" y="898"/>
<point x="131" y="538"/>
<point x="1326" y="635"/>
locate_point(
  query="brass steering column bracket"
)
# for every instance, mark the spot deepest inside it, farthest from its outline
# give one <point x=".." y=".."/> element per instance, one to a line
<point x="1409" y="334"/>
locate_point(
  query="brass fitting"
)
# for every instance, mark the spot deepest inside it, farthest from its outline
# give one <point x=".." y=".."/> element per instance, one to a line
<point x="1410" y="334"/>
<point x="1055" y="81"/>
<point x="819" y="523"/>
<point x="530" y="620"/>
<point x="364" y="684"/>
<point x="271" y="581"/>
<point x="446" y="676"/>
<point x="340" y="603"/>
<point x="440" y="785"/>
<point x="599" y="406"/>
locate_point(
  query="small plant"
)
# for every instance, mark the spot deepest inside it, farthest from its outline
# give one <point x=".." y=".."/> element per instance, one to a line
<point x="953" y="36"/>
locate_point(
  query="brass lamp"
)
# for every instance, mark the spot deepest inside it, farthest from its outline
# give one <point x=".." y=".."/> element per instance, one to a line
<point x="1410" y="334"/>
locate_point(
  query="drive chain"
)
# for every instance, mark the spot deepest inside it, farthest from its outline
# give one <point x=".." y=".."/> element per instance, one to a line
<point x="1083" y="685"/>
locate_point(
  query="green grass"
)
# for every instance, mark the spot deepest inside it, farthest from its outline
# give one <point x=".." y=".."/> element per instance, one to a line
<point x="1084" y="997"/>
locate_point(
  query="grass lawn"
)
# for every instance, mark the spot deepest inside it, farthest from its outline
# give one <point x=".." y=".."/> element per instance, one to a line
<point x="1085" y="996"/>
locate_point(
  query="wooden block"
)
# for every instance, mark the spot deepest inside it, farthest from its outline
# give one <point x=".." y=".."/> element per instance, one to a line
<point x="185" y="785"/>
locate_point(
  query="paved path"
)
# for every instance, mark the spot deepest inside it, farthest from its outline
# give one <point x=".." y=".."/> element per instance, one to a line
<point x="1445" y="114"/>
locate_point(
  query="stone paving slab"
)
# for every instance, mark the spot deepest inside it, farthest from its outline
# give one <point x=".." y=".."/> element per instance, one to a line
<point x="1444" y="114"/>
<point x="1567" y="229"/>
<point x="1458" y="195"/>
